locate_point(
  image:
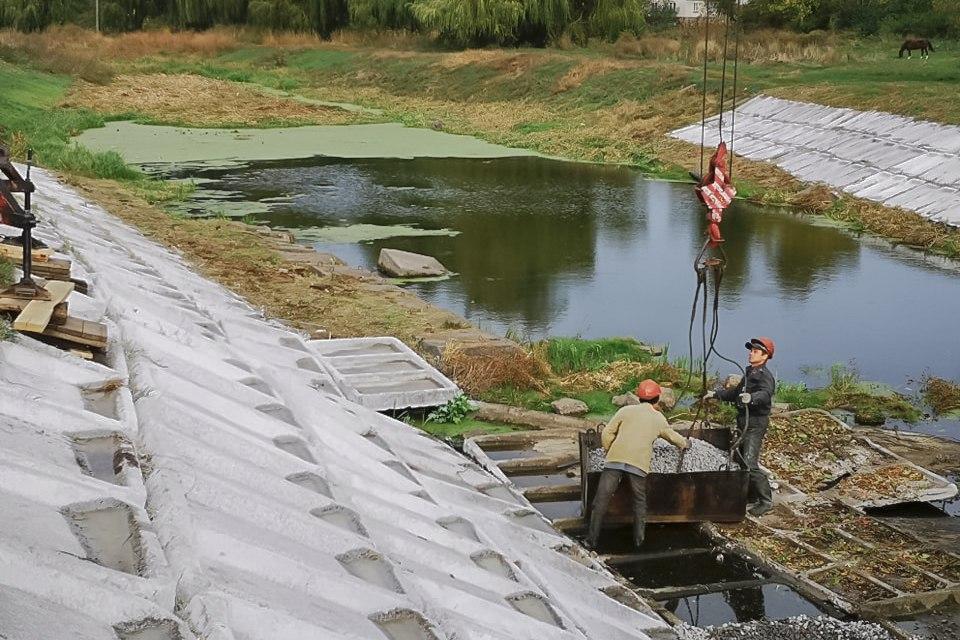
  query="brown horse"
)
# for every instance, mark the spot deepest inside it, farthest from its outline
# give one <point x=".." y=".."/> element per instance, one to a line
<point x="910" y="45"/>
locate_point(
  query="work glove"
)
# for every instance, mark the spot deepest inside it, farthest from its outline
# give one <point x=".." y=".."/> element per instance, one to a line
<point x="745" y="398"/>
<point x="709" y="395"/>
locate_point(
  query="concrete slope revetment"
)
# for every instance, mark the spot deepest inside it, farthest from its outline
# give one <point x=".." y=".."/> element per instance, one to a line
<point x="890" y="159"/>
<point x="206" y="479"/>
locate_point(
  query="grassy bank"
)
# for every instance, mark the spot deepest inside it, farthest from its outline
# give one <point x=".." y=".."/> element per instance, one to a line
<point x="609" y="103"/>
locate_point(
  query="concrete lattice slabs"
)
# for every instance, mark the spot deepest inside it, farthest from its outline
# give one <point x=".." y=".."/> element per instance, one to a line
<point x="245" y="497"/>
<point x="891" y="159"/>
<point x="382" y="373"/>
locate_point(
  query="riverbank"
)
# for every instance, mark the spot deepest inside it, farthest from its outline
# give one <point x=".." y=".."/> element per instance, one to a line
<point x="600" y="105"/>
<point x="608" y="103"/>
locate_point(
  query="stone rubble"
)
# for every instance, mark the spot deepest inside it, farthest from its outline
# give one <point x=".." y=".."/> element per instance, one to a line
<point x="570" y="407"/>
<point x="798" y="628"/>
<point x="701" y="456"/>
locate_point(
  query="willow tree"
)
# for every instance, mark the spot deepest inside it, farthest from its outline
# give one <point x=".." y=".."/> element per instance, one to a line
<point x="470" y="22"/>
<point x="544" y="20"/>
<point x="609" y="18"/>
<point x="381" y="14"/>
<point x="277" y="14"/>
<point x="326" y="16"/>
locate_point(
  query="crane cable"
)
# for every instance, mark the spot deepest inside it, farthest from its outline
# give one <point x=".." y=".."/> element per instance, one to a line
<point x="704" y="268"/>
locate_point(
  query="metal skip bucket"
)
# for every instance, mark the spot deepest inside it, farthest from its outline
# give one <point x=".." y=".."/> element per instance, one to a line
<point x="716" y="496"/>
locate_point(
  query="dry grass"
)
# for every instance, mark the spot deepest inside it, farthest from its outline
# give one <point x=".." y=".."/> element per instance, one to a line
<point x="942" y="395"/>
<point x="586" y="69"/>
<point x="197" y="101"/>
<point x="928" y="101"/>
<point x="381" y="40"/>
<point x="648" y="46"/>
<point x="64" y="50"/>
<point x="480" y="372"/>
<point x="687" y="45"/>
<point x="249" y="265"/>
<point x="138" y="44"/>
<point x="505" y="61"/>
<point x="611" y="378"/>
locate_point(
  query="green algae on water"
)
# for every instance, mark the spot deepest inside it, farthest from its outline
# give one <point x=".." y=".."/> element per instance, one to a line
<point x="153" y="144"/>
<point x="363" y="233"/>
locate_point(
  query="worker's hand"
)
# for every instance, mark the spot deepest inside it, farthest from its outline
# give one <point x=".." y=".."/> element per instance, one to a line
<point x="745" y="398"/>
<point x="687" y="445"/>
<point x="709" y="395"/>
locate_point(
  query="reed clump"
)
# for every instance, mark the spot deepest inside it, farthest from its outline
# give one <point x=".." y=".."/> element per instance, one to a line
<point x="942" y="395"/>
<point x="477" y="371"/>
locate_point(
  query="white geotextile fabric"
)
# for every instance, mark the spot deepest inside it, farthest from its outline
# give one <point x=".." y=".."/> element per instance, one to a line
<point x="268" y="508"/>
<point x="891" y="159"/>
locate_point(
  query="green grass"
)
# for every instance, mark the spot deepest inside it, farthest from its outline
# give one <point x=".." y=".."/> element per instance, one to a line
<point x="322" y="60"/>
<point x="799" y="396"/>
<point x="7" y="333"/>
<point x="6" y="272"/>
<point x="28" y="118"/>
<point x="467" y="426"/>
<point x="847" y="391"/>
<point x="567" y="355"/>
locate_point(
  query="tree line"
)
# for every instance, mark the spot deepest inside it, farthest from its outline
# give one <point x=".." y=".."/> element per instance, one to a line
<point x="481" y="22"/>
<point x="921" y="18"/>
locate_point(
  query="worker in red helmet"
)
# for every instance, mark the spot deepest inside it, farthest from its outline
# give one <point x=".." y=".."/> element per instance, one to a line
<point x="628" y="441"/>
<point x="754" y="398"/>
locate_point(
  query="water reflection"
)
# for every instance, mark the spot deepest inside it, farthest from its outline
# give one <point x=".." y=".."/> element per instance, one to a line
<point x="770" y="601"/>
<point x="548" y="247"/>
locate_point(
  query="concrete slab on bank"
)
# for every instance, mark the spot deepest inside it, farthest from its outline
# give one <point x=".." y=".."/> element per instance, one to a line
<point x="382" y="373"/>
<point x="890" y="159"/>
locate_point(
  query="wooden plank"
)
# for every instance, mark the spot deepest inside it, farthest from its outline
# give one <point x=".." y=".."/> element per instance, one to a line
<point x="542" y="464"/>
<point x="82" y="353"/>
<point x="553" y="493"/>
<point x="37" y="314"/>
<point x="84" y="332"/>
<point x="58" y="268"/>
<point x="16" y="305"/>
<point x="13" y="252"/>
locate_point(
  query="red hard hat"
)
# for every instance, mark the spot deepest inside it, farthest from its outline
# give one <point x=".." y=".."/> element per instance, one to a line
<point x="762" y="343"/>
<point x="648" y="390"/>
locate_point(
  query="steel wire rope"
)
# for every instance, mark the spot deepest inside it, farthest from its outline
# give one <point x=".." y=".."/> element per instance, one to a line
<point x="723" y="75"/>
<point x="703" y="106"/>
<point x="736" y="65"/>
<point x="718" y="268"/>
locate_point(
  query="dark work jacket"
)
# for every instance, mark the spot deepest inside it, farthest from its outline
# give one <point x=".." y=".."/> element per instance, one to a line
<point x="760" y="384"/>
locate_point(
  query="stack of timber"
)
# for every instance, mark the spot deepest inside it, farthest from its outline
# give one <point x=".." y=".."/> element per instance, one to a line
<point x="51" y="318"/>
<point x="45" y="264"/>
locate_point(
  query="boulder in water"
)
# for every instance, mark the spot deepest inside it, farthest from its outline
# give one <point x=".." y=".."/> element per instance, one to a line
<point x="404" y="264"/>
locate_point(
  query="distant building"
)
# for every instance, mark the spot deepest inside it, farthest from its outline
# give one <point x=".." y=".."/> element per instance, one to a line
<point x="688" y="8"/>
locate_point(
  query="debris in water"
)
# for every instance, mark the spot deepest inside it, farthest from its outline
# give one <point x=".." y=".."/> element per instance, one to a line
<point x="798" y="628"/>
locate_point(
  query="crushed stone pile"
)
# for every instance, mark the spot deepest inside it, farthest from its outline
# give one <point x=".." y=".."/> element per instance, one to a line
<point x="701" y="456"/>
<point x="798" y="628"/>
